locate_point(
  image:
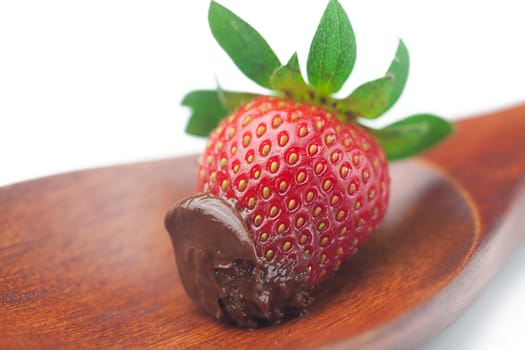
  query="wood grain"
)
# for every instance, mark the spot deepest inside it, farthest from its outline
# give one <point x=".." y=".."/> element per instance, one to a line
<point x="85" y="261"/>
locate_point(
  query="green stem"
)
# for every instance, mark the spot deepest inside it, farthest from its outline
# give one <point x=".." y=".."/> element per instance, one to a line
<point x="334" y="105"/>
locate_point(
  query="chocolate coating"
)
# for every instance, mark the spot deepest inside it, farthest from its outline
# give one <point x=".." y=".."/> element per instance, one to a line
<point x="221" y="271"/>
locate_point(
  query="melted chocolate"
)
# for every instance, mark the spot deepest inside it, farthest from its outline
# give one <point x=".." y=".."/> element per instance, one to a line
<point x="221" y="271"/>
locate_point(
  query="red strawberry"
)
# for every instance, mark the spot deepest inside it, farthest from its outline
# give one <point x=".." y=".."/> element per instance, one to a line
<point x="312" y="188"/>
<point x="291" y="184"/>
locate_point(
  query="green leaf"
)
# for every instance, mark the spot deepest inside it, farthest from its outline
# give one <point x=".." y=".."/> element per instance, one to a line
<point x="207" y="111"/>
<point x="288" y="78"/>
<point x="374" y="98"/>
<point x="209" y="107"/>
<point x="245" y="46"/>
<point x="332" y="51"/>
<point x="370" y="99"/>
<point x="399" y="71"/>
<point x="233" y="100"/>
<point x="412" y="135"/>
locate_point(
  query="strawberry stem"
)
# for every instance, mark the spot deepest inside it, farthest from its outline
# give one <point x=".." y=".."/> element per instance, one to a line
<point x="330" y="61"/>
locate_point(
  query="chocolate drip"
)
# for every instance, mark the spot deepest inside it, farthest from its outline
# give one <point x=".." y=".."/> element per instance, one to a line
<point x="221" y="271"/>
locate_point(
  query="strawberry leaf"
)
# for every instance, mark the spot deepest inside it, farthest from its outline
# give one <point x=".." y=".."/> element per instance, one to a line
<point x="412" y="135"/>
<point x="288" y="78"/>
<point x="207" y="111"/>
<point x="332" y="51"/>
<point x="399" y="71"/>
<point x="233" y="100"/>
<point x="209" y="107"/>
<point x="370" y="99"/>
<point x="245" y="46"/>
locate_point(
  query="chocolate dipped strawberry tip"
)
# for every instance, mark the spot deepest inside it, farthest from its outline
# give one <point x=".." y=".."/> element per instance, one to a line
<point x="221" y="271"/>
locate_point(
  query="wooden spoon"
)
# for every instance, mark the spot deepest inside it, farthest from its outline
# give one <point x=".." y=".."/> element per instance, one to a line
<point x="85" y="261"/>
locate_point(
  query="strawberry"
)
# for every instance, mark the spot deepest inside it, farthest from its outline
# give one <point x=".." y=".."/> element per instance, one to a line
<point x="312" y="188"/>
<point x="293" y="181"/>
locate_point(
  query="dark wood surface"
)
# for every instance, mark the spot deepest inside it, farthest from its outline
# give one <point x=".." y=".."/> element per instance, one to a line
<point x="85" y="261"/>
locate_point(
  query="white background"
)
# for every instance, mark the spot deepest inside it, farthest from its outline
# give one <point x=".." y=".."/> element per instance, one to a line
<point x="94" y="83"/>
